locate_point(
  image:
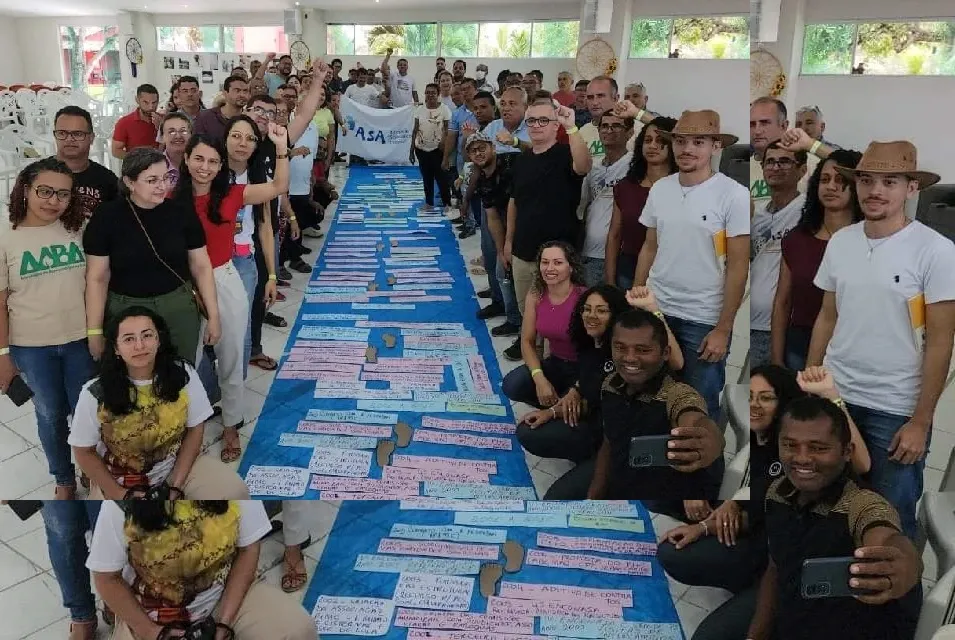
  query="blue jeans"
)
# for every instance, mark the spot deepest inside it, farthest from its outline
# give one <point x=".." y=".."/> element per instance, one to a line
<point x="56" y="375"/>
<point x="489" y="255"/>
<point x="512" y="312"/>
<point x="593" y="271"/>
<point x="708" y="378"/>
<point x="472" y="213"/>
<point x="900" y="484"/>
<point x="797" y="347"/>
<point x="626" y="266"/>
<point x="760" y="347"/>
<point x="66" y="523"/>
<point x="250" y="277"/>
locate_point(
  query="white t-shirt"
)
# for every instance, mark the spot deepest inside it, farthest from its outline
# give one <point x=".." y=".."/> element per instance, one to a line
<point x="768" y="230"/>
<point x="431" y="126"/>
<point x="109" y="549"/>
<point x="598" y="186"/>
<point x="873" y="355"/>
<point x="402" y="90"/>
<point x="448" y="102"/>
<point x="85" y="428"/>
<point x="687" y="276"/>
<point x="367" y="95"/>
<point x="300" y="169"/>
<point x="246" y="217"/>
<point x="759" y="190"/>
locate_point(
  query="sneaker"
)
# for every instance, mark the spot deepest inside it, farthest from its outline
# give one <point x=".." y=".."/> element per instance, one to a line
<point x="282" y="284"/>
<point x="484" y="295"/>
<point x="312" y="232"/>
<point x="467" y="233"/>
<point x="493" y="310"/>
<point x="458" y="220"/>
<point x="305" y="251"/>
<point x="513" y="352"/>
<point x="506" y="329"/>
<point x="279" y="296"/>
<point x="301" y="266"/>
<point x="284" y="274"/>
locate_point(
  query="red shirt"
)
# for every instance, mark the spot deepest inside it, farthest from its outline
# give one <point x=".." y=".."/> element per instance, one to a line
<point x="134" y="132"/>
<point x="566" y="98"/>
<point x="219" y="237"/>
<point x="562" y="137"/>
<point x="803" y="252"/>
<point x="630" y="197"/>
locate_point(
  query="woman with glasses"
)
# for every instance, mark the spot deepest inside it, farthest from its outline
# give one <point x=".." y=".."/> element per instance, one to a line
<point x="42" y="324"/>
<point x="144" y="250"/>
<point x="157" y="563"/>
<point x="174" y="131"/>
<point x="137" y="430"/>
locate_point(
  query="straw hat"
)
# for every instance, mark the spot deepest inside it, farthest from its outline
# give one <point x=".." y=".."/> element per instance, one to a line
<point x="701" y="123"/>
<point x="899" y="157"/>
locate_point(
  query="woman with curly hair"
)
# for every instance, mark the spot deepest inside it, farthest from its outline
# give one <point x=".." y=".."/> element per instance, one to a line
<point x="549" y="306"/>
<point x="137" y="429"/>
<point x="163" y="565"/>
<point x="831" y="204"/>
<point x="43" y="319"/>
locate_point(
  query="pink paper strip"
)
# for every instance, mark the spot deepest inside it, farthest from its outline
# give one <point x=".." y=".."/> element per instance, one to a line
<point x="364" y="485"/>
<point x="417" y="370"/>
<point x="326" y="344"/>
<point x="298" y="357"/>
<point x="328" y="375"/>
<point x="430" y="634"/>
<point x="540" y="558"/>
<point x="447" y="464"/>
<point x="439" y="549"/>
<point x="321" y="366"/>
<point x="418" y="619"/>
<point x="426" y="341"/>
<point x="344" y="429"/>
<point x="348" y="495"/>
<point x="401" y="377"/>
<point x="319" y="299"/>
<point x="415" y="386"/>
<point x="482" y="383"/>
<point x="507" y="608"/>
<point x="604" y="545"/>
<point x="399" y="363"/>
<point x="430" y="299"/>
<point x="467" y="425"/>
<point x="433" y="475"/>
<point x="461" y="440"/>
<point x="562" y="593"/>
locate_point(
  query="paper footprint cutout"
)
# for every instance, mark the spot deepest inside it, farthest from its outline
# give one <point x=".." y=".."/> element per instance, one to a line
<point x="392" y="280"/>
<point x="371" y="355"/>
<point x="384" y="451"/>
<point x="514" y="554"/>
<point x="373" y="287"/>
<point x="390" y="340"/>
<point x="394" y="243"/>
<point x="404" y="431"/>
<point x="380" y="246"/>
<point x="490" y="575"/>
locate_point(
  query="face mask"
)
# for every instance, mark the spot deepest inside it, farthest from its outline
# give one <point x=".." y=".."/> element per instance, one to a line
<point x="480" y="75"/>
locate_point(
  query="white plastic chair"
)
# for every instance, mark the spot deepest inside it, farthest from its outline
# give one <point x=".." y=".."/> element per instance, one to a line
<point x="735" y="413"/>
<point x="8" y="108"/>
<point x="945" y="633"/>
<point x="938" y="608"/>
<point x="736" y="475"/>
<point x="936" y="518"/>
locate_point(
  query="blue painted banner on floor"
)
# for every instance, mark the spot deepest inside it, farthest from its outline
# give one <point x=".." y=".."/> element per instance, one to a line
<point x="434" y="368"/>
<point x="370" y="573"/>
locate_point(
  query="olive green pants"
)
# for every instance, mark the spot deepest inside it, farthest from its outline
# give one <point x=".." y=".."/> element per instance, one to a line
<point x="179" y="311"/>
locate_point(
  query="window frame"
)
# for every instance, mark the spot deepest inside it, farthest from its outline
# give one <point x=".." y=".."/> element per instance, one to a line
<point x="558" y="20"/>
<point x="221" y="39"/>
<point x="673" y="18"/>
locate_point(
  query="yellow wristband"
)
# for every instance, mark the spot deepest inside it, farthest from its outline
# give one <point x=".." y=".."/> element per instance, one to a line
<point x="536" y="372"/>
<point x="273" y="277"/>
<point x="94" y="332"/>
<point x="839" y="402"/>
<point x="572" y="131"/>
<point x="515" y="142"/>
<point x="815" y="147"/>
<point x="292" y="218"/>
<point x="658" y="314"/>
<point x="5" y="351"/>
<point x="640" y="114"/>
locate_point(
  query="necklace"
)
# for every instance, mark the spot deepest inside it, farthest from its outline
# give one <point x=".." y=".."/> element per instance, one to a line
<point x="828" y="230"/>
<point x="882" y="241"/>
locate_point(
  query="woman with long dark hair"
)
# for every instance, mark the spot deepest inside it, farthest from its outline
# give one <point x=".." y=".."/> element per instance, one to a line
<point x="137" y="429"/>
<point x="144" y="250"/>
<point x="43" y="311"/>
<point x="652" y="159"/>
<point x="831" y="204"/>
<point x="182" y="562"/>
<point x="558" y="284"/>
<point x="207" y="185"/>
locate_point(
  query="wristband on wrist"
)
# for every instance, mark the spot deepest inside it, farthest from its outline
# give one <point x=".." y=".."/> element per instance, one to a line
<point x="640" y="114"/>
<point x="515" y="142"/>
<point x="5" y="351"/>
<point x="536" y="372"/>
<point x="282" y="156"/>
<point x="292" y="218"/>
<point x="815" y="147"/>
<point x="706" y="529"/>
<point x="572" y="130"/>
<point x="94" y="332"/>
<point x="839" y="402"/>
<point x="658" y="314"/>
<point x="273" y="277"/>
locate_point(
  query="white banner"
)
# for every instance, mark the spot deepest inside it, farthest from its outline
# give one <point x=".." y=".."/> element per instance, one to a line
<point x="376" y="134"/>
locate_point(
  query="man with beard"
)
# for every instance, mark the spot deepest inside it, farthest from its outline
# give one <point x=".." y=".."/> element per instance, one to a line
<point x="402" y="86"/>
<point x="335" y="82"/>
<point x="93" y="183"/>
<point x="458" y="69"/>
<point x="887" y="321"/>
<point x="640" y="399"/>
<point x="768" y="121"/>
<point x="139" y="128"/>
<point x="283" y="71"/>
<point x="696" y="253"/>
<point x="189" y="97"/>
<point x="212" y="122"/>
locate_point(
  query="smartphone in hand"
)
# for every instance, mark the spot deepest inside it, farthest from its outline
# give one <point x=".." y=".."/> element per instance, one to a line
<point x="649" y="451"/>
<point x="19" y="392"/>
<point x="829" y="578"/>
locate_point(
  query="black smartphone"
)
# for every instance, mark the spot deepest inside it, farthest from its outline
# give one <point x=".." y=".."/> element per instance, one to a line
<point x="649" y="451"/>
<point x="829" y="578"/>
<point x="25" y="509"/>
<point x="19" y="392"/>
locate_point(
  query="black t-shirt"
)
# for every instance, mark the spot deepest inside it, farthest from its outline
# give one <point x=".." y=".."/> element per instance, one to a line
<point x="93" y="186"/>
<point x="262" y="170"/>
<point x="134" y="269"/>
<point x="546" y="193"/>
<point x="832" y="526"/>
<point x="764" y="469"/>
<point x="650" y="413"/>
<point x="594" y="365"/>
<point x="495" y="190"/>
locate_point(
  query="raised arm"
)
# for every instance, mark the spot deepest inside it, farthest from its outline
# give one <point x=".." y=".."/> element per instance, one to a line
<point x="267" y="191"/>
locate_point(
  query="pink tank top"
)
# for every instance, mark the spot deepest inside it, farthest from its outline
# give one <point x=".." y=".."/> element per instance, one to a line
<point x="553" y="323"/>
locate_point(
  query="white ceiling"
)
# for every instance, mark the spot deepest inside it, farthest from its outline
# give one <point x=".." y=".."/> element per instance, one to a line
<point x="36" y="8"/>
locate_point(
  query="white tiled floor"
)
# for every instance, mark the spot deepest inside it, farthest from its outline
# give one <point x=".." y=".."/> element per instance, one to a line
<point x="30" y="602"/>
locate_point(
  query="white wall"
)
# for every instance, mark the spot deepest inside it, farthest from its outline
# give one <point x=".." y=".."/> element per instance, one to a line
<point x="860" y="109"/>
<point x="11" y="71"/>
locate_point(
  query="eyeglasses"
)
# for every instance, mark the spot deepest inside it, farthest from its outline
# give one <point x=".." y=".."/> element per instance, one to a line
<point x="154" y="181"/>
<point x="779" y="163"/>
<point x="539" y="122"/>
<point x="238" y="137"/>
<point x="268" y="114"/>
<point x="45" y="193"/>
<point x="183" y="133"/>
<point x="612" y="126"/>
<point x="60" y="134"/>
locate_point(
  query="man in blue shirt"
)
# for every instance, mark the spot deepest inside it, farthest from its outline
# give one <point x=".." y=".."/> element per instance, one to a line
<point x="510" y="126"/>
<point x="455" y="139"/>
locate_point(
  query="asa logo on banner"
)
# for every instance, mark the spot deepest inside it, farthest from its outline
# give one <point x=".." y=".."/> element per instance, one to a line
<point x="376" y="134"/>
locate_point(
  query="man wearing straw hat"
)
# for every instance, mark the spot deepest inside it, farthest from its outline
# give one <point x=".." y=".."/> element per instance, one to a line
<point x="696" y="255"/>
<point x="887" y="320"/>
